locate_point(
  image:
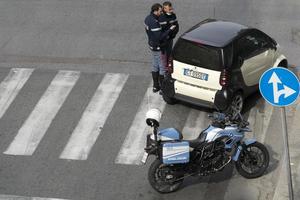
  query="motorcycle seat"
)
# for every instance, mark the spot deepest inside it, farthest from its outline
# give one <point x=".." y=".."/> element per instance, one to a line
<point x="198" y="141"/>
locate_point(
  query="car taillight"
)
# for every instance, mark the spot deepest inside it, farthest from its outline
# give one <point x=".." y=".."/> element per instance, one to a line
<point x="170" y="65"/>
<point x="224" y="78"/>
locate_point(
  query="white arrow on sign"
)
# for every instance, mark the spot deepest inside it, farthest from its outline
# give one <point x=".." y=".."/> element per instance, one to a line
<point x="277" y="93"/>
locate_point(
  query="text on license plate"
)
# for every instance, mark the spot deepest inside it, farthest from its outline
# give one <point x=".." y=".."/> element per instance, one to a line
<point x="195" y="74"/>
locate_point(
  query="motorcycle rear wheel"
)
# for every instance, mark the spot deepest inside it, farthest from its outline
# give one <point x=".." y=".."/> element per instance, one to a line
<point x="162" y="179"/>
<point x="251" y="163"/>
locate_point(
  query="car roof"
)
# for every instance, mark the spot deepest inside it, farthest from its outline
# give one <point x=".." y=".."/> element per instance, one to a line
<point x="214" y="32"/>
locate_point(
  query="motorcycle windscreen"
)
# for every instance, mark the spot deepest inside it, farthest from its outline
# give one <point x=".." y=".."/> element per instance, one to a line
<point x="176" y="152"/>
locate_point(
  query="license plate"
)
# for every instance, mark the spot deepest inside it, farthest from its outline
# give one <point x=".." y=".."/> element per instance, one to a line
<point x="144" y="159"/>
<point x="195" y="74"/>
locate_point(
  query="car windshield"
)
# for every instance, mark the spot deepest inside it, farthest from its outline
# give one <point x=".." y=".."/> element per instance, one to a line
<point x="197" y="54"/>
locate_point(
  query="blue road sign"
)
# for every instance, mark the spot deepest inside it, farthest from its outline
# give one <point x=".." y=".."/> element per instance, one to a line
<point x="279" y="86"/>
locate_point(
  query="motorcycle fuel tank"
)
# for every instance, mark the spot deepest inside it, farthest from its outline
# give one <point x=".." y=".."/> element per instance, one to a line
<point x="168" y="134"/>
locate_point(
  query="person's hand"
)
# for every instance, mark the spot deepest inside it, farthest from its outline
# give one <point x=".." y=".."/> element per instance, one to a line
<point x="173" y="27"/>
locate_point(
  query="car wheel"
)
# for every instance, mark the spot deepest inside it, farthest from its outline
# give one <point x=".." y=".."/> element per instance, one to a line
<point x="169" y="100"/>
<point x="236" y="104"/>
<point x="283" y="64"/>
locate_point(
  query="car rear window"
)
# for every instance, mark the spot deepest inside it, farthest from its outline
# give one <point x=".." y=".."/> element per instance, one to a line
<point x="197" y="54"/>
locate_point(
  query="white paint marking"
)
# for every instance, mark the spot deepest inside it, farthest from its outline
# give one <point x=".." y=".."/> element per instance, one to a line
<point x="36" y="125"/>
<point x="93" y="119"/>
<point x="195" y="123"/>
<point x="133" y="146"/>
<point x="11" y="86"/>
<point x="253" y="115"/>
<point x="13" y="197"/>
<point x="268" y="110"/>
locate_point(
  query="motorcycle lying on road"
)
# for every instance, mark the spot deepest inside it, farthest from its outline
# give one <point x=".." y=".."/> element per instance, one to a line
<point x="216" y="146"/>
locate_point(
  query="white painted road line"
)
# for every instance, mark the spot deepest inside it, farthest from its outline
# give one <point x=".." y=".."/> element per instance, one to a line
<point x="195" y="123"/>
<point x="133" y="146"/>
<point x="268" y="110"/>
<point x="13" y="197"/>
<point x="11" y="86"/>
<point x="253" y="125"/>
<point x="93" y="119"/>
<point x="36" y="125"/>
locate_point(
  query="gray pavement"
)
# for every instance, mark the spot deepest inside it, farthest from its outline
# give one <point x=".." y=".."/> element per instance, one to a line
<point x="43" y="174"/>
<point x="99" y="37"/>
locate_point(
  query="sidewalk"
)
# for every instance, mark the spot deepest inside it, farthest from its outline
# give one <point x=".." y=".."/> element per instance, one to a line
<point x="293" y="123"/>
<point x="294" y="141"/>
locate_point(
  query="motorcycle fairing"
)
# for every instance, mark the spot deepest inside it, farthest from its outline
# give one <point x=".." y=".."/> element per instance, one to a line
<point x="169" y="134"/>
<point x="240" y="148"/>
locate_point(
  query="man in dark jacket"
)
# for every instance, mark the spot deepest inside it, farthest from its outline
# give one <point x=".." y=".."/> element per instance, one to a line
<point x="155" y="37"/>
<point x="166" y="20"/>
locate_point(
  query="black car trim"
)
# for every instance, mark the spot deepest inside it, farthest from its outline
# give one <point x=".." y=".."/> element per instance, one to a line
<point x="194" y="101"/>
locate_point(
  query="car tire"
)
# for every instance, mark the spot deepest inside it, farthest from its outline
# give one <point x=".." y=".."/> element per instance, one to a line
<point x="169" y="100"/>
<point x="261" y="170"/>
<point x="236" y="104"/>
<point x="283" y="64"/>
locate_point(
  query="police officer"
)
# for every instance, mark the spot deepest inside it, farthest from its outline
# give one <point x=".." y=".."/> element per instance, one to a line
<point x="155" y="37"/>
<point x="166" y="20"/>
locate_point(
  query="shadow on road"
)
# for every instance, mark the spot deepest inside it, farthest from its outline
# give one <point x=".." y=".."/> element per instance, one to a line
<point x="274" y="163"/>
<point x="253" y="100"/>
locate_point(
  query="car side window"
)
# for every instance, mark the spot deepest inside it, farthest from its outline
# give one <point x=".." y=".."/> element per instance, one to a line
<point x="251" y="44"/>
<point x="246" y="46"/>
<point x="263" y="41"/>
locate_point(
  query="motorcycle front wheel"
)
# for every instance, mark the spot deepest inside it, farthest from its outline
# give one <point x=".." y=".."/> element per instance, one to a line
<point x="162" y="177"/>
<point x="253" y="161"/>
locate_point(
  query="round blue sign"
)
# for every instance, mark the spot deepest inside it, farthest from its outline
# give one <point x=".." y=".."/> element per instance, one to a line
<point x="279" y="86"/>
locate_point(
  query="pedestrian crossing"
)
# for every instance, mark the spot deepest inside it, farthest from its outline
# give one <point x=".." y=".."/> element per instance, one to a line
<point x="133" y="147"/>
<point x="93" y="118"/>
<point x="36" y="125"/>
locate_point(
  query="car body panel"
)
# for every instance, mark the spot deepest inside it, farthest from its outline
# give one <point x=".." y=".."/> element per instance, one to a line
<point x="212" y="81"/>
<point x="194" y="91"/>
<point x="254" y="67"/>
<point x="278" y="59"/>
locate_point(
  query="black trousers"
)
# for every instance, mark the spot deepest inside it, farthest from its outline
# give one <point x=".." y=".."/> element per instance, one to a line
<point x="166" y="53"/>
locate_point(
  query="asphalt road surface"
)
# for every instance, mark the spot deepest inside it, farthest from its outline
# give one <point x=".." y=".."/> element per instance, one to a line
<point x="61" y="62"/>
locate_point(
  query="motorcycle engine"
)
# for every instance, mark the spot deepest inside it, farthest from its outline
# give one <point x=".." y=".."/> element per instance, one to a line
<point x="214" y="157"/>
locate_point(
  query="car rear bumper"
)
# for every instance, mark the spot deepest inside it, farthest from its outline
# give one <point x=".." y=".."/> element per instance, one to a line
<point x="194" y="91"/>
<point x="194" y="101"/>
<point x="200" y="96"/>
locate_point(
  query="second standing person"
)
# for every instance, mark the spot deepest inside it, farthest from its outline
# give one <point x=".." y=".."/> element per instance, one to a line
<point x="166" y="20"/>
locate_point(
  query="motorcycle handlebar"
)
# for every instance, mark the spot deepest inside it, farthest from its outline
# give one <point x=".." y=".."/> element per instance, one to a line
<point x="218" y="116"/>
<point x="223" y="118"/>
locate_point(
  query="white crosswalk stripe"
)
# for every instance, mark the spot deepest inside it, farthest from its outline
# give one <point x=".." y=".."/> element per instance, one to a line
<point x="14" y="197"/>
<point x="11" y="86"/>
<point x="94" y="117"/>
<point x="133" y="147"/>
<point x="195" y="123"/>
<point x="36" y="125"/>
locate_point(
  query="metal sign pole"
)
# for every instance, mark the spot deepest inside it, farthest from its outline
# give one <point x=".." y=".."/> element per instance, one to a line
<point x="286" y="152"/>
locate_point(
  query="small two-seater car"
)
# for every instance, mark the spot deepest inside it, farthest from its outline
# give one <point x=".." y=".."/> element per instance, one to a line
<point x="218" y="64"/>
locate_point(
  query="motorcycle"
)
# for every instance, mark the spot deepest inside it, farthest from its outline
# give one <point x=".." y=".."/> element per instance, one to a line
<point x="216" y="146"/>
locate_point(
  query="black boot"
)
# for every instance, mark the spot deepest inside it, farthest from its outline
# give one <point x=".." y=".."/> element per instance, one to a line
<point x="155" y="76"/>
<point x="161" y="82"/>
